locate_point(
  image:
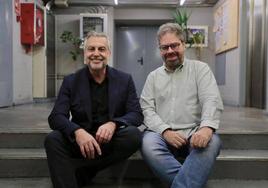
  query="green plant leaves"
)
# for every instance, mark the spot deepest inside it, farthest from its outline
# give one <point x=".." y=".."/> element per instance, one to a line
<point x="68" y="37"/>
<point x="181" y="17"/>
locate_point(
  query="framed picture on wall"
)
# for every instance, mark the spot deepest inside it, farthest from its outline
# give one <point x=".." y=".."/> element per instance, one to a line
<point x="95" y="22"/>
<point x="197" y="36"/>
<point x="92" y="22"/>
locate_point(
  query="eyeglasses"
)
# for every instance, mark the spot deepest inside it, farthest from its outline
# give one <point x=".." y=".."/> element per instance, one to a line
<point x="173" y="46"/>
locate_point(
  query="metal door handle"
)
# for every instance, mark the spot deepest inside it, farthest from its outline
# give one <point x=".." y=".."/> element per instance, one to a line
<point x="140" y="60"/>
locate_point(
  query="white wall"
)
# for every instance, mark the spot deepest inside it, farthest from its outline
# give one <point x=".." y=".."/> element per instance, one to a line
<point x="6" y="89"/>
<point x="22" y="68"/>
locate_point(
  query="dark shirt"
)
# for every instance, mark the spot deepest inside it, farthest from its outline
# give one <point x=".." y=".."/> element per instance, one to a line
<point x="99" y="101"/>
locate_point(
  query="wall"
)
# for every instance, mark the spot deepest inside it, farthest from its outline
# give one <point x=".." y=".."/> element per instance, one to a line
<point x="6" y="89"/>
<point x="39" y="72"/>
<point x="68" y="19"/>
<point x="17" y="70"/>
<point x="233" y="90"/>
<point x="230" y="90"/>
<point x="50" y="52"/>
<point x="22" y="67"/>
<point x="64" y="63"/>
<point x="39" y="67"/>
<point x="199" y="16"/>
<point x="266" y="39"/>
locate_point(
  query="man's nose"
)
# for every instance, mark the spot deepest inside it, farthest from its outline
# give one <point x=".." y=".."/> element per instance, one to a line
<point x="96" y="52"/>
<point x="170" y="49"/>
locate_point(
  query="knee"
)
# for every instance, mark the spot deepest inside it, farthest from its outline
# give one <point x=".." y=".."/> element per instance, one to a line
<point x="147" y="141"/>
<point x="146" y="150"/>
<point x="215" y="144"/>
<point x="52" y="140"/>
<point x="130" y="137"/>
<point x="151" y="144"/>
<point x="135" y="135"/>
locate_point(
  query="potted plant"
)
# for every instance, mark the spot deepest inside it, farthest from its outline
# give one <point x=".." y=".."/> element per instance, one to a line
<point x="68" y="37"/>
<point x="181" y="16"/>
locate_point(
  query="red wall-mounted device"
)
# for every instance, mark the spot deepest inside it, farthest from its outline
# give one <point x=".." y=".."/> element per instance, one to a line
<point x="32" y="24"/>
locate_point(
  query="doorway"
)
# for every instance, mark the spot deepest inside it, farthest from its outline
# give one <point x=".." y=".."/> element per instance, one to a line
<point x="137" y="52"/>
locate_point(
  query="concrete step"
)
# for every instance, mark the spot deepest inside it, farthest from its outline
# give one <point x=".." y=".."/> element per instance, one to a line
<point x="234" y="164"/>
<point x="128" y="183"/>
<point x="34" y="138"/>
<point x="241" y="164"/>
<point x="244" y="140"/>
<point x="23" y="163"/>
<point x="24" y="139"/>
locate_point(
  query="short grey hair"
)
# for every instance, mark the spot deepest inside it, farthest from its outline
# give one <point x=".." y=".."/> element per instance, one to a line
<point x="97" y="34"/>
<point x="170" y="28"/>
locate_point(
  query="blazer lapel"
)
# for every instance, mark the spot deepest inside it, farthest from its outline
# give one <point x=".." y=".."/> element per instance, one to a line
<point x="85" y="92"/>
<point x="112" y="91"/>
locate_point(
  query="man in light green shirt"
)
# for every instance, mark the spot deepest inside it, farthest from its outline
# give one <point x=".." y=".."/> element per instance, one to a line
<point x="181" y="106"/>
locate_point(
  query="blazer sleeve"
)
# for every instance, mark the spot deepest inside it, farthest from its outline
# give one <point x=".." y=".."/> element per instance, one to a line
<point x="59" y="117"/>
<point x="133" y="115"/>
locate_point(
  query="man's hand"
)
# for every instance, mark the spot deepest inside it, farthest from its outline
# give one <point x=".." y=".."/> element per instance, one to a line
<point x="88" y="145"/>
<point x="105" y="132"/>
<point x="174" y="138"/>
<point x="201" y="138"/>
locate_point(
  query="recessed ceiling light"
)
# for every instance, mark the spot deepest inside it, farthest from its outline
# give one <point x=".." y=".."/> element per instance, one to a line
<point x="182" y="2"/>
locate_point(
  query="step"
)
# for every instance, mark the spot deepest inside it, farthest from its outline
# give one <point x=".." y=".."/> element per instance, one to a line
<point x="18" y="139"/>
<point x="231" y="183"/>
<point x="23" y="163"/>
<point x="244" y="140"/>
<point x="24" y="126"/>
<point x="231" y="164"/>
<point x="129" y="183"/>
<point x="241" y="164"/>
<point x="34" y="138"/>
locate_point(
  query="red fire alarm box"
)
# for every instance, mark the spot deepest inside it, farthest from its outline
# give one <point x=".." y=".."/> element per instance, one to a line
<point x="32" y="24"/>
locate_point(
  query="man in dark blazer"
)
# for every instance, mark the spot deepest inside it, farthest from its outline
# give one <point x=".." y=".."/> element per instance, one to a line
<point x="94" y="119"/>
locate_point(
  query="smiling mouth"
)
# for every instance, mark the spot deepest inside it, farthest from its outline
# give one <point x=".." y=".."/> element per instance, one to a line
<point x="96" y="60"/>
<point x="172" y="57"/>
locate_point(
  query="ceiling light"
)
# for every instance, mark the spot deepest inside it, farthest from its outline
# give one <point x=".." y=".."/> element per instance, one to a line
<point x="182" y="2"/>
<point x="116" y="2"/>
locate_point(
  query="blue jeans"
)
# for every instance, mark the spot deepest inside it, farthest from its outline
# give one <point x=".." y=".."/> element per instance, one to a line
<point x="162" y="159"/>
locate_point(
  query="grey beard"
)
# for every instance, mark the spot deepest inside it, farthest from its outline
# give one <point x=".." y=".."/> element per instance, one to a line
<point x="173" y="65"/>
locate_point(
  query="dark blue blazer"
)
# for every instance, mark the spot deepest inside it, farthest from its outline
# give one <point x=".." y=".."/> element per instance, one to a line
<point x="74" y="100"/>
